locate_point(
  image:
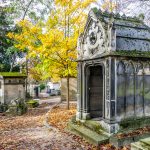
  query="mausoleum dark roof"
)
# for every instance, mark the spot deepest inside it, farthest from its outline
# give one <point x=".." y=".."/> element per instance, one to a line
<point x="131" y="32"/>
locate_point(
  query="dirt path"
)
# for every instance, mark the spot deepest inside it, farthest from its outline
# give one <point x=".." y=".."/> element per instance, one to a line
<point x="29" y="132"/>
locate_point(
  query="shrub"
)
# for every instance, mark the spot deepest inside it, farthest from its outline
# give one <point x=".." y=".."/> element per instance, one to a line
<point x="3" y="107"/>
<point x="33" y="103"/>
<point x="18" y="107"/>
<point x="21" y="107"/>
<point x="42" y="87"/>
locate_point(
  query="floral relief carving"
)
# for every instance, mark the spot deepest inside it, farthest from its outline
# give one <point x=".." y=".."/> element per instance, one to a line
<point x="93" y="41"/>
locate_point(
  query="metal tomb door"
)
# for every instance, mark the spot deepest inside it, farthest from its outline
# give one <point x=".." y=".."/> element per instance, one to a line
<point x="96" y="91"/>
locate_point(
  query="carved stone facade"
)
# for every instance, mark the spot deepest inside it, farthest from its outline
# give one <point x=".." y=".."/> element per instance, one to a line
<point x="113" y="69"/>
<point x="12" y="86"/>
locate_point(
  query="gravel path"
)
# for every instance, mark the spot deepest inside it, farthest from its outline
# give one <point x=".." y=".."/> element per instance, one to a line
<point x="27" y="132"/>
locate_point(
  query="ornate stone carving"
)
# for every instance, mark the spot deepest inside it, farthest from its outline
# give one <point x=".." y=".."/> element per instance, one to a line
<point x="107" y="81"/>
<point x="79" y="47"/>
<point x="93" y="41"/>
<point x="92" y="38"/>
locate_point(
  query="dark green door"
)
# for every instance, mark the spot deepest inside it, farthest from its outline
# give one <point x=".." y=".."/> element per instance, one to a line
<point x="96" y="91"/>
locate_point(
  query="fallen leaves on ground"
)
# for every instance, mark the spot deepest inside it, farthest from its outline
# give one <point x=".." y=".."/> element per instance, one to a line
<point x="59" y="117"/>
<point x="134" y="132"/>
<point x="34" y="117"/>
<point x="28" y="132"/>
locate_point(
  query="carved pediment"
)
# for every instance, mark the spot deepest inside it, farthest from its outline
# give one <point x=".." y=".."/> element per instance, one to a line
<point x="93" y="41"/>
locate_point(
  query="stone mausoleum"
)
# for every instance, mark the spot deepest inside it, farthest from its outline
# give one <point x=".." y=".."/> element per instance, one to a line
<point x="113" y="69"/>
<point x="12" y="86"/>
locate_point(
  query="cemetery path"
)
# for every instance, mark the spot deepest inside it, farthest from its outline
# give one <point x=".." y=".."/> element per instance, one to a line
<point x="29" y="132"/>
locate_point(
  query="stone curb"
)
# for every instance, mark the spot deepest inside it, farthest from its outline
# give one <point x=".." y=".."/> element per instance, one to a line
<point x="46" y="124"/>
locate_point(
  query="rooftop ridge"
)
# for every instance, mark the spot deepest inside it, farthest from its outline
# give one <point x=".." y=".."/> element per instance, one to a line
<point x="117" y="15"/>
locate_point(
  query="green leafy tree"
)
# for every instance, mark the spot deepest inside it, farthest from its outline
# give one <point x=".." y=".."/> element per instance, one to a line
<point x="16" y="10"/>
<point x="33" y="10"/>
<point x="8" y="52"/>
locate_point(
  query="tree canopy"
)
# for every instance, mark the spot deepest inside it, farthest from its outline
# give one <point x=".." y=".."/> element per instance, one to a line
<point x="52" y="44"/>
<point x="8" y="52"/>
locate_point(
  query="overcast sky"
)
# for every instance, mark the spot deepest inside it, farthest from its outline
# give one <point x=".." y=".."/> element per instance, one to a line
<point x="134" y="9"/>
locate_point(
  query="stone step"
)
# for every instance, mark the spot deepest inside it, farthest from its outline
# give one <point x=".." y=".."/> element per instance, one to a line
<point x="137" y="146"/>
<point x="143" y="144"/>
<point x="146" y="141"/>
<point x="95" y="126"/>
<point x="89" y="135"/>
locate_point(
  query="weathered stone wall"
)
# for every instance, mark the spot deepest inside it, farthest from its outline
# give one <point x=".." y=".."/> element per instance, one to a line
<point x="72" y="89"/>
<point x="13" y="91"/>
<point x="132" y="37"/>
<point x="133" y="89"/>
<point x="13" y="88"/>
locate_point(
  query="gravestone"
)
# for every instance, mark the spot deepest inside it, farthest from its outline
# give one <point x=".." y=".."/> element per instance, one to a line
<point x="113" y="69"/>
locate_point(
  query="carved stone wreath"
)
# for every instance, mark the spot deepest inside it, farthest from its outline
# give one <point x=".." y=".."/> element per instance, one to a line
<point x="95" y="39"/>
<point x="93" y="42"/>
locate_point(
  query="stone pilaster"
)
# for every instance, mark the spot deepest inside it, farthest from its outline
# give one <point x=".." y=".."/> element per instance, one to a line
<point x="107" y="89"/>
<point x="113" y="90"/>
<point x="85" y="114"/>
<point x="79" y="92"/>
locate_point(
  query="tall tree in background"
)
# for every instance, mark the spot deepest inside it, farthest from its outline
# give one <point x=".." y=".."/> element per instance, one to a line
<point x="54" y="43"/>
<point x="8" y="53"/>
<point x="10" y="13"/>
<point x="34" y="10"/>
<point x="136" y="8"/>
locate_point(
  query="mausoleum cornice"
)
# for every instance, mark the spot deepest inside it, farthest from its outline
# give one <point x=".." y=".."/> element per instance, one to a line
<point x="122" y="53"/>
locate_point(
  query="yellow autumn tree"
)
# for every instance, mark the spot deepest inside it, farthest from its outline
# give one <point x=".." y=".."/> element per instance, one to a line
<point x="54" y="43"/>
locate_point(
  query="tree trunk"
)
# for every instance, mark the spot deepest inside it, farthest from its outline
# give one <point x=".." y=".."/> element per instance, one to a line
<point x="26" y="10"/>
<point x="11" y="68"/>
<point x="68" y="92"/>
<point x="11" y="64"/>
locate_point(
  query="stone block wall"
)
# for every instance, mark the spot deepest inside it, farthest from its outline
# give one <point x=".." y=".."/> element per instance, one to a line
<point x="13" y="91"/>
<point x="13" y="88"/>
<point x="72" y="89"/>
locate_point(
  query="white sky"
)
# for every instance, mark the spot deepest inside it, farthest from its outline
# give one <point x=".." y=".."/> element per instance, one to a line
<point x="133" y="9"/>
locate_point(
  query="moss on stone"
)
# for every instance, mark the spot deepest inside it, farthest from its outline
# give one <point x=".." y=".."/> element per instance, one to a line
<point x="134" y="123"/>
<point x="12" y="74"/>
<point x="93" y="125"/>
<point x="117" y="16"/>
<point x="88" y="134"/>
<point x="32" y="103"/>
<point x="90" y="124"/>
<point x="133" y="53"/>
